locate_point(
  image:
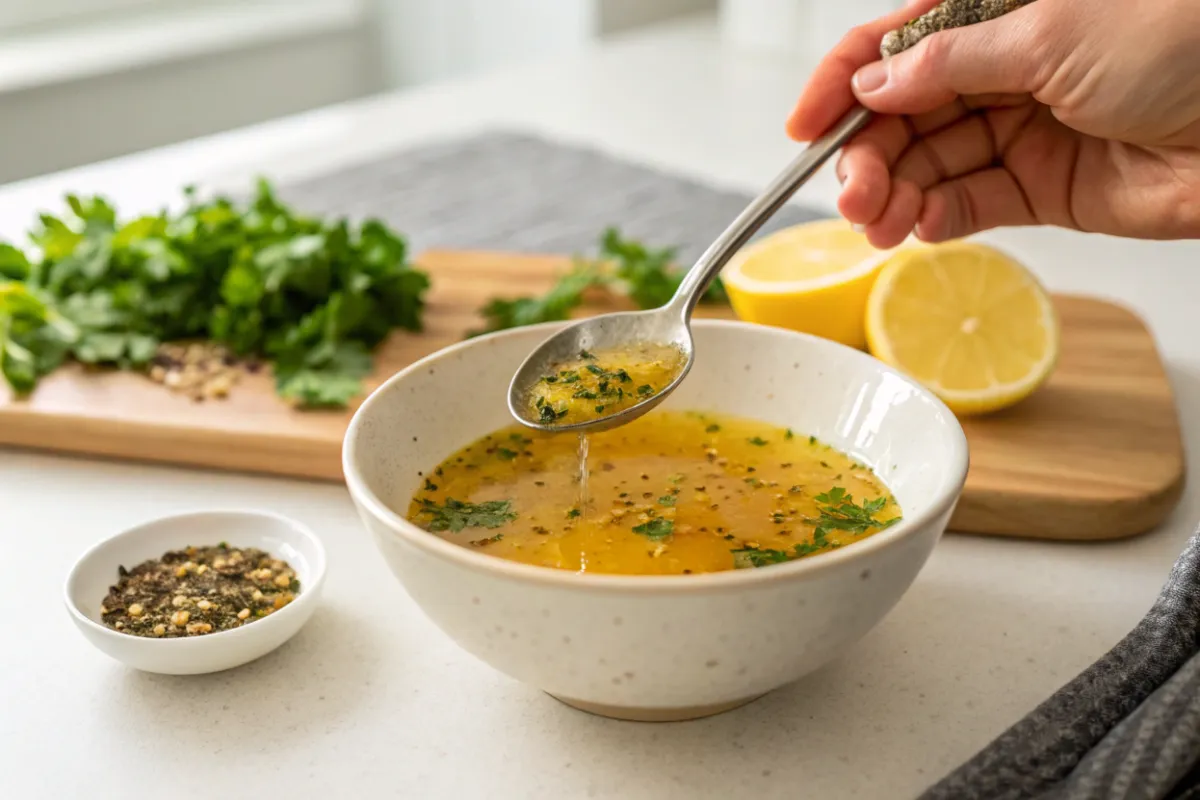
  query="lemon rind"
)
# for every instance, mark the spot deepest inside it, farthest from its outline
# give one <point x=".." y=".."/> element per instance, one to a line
<point x="733" y="276"/>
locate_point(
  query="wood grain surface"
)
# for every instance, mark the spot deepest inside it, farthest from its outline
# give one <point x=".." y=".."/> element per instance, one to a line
<point x="1095" y="454"/>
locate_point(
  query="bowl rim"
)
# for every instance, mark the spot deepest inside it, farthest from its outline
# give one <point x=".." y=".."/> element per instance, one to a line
<point x="307" y="596"/>
<point x="399" y="527"/>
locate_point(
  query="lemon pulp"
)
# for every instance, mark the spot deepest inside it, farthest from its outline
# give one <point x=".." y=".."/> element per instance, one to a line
<point x="967" y="321"/>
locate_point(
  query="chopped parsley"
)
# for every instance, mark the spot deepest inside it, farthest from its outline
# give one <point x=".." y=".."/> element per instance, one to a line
<point x="645" y="389"/>
<point x="667" y="500"/>
<point x="430" y="486"/>
<point x="747" y="557"/>
<point x="505" y="453"/>
<point x="838" y="511"/>
<point x="712" y="428"/>
<point x="656" y="529"/>
<point x="757" y="441"/>
<point x="586" y="356"/>
<point x="573" y="513"/>
<point x="456" y="515"/>
<point x="788" y="434"/>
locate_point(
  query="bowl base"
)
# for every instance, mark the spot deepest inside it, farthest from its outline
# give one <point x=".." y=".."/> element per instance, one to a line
<point x="638" y="714"/>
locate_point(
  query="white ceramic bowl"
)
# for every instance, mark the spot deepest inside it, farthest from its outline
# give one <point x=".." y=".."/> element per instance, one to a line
<point x="283" y="538"/>
<point x="663" y="647"/>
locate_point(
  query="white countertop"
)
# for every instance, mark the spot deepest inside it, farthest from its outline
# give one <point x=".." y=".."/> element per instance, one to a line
<point x="372" y="700"/>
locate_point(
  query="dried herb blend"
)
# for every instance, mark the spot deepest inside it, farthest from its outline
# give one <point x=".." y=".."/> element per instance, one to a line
<point x="949" y="14"/>
<point x="198" y="590"/>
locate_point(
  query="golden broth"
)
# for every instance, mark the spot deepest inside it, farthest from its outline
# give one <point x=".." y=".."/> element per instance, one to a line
<point x="594" y="385"/>
<point x="670" y="493"/>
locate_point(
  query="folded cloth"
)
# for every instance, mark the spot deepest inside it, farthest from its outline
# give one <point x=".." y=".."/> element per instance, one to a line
<point x="1128" y="727"/>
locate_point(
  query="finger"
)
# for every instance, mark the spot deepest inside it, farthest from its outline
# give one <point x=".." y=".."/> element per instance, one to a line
<point x="964" y="147"/>
<point x="978" y="202"/>
<point x="828" y="96"/>
<point x="1012" y="54"/>
<point x="899" y="217"/>
<point x="864" y="169"/>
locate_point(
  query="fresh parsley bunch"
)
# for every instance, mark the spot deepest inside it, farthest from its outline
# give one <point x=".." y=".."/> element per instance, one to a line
<point x="312" y="296"/>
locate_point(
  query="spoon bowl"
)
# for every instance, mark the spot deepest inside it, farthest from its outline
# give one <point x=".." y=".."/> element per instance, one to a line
<point x="669" y="324"/>
<point x="664" y="325"/>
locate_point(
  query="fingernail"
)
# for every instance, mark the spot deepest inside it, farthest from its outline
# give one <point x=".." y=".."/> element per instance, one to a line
<point x="871" y="78"/>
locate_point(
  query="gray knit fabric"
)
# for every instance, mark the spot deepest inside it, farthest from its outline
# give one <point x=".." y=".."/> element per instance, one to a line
<point x="1128" y="727"/>
<point x="516" y="192"/>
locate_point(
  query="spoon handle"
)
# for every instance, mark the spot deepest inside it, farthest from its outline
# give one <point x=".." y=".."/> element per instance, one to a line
<point x="763" y="208"/>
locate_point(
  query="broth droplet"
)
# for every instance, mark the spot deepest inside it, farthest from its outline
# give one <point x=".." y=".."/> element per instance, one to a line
<point x="583" y="471"/>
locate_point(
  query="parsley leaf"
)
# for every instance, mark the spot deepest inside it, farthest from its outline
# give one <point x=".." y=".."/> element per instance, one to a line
<point x="746" y="557"/>
<point x="656" y="529"/>
<point x="838" y="511"/>
<point x="623" y="266"/>
<point x="757" y="441"/>
<point x="456" y="515"/>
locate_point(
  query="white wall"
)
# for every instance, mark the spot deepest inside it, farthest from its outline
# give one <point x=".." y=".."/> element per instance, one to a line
<point x="432" y="40"/>
<point x="53" y="127"/>
<point x="95" y="86"/>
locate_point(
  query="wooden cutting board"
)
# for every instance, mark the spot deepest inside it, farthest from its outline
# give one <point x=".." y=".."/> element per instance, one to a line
<point x="1094" y="454"/>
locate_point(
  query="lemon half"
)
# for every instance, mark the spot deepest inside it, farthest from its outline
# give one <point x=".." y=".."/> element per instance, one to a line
<point x="967" y="321"/>
<point x="814" y="277"/>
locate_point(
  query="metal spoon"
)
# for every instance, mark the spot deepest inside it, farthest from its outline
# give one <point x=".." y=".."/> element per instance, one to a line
<point x="670" y="324"/>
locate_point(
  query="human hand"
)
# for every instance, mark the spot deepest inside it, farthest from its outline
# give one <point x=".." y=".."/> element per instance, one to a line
<point x="1075" y="113"/>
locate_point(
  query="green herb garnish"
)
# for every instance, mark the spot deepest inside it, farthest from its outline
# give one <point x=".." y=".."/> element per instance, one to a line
<point x="757" y="441"/>
<point x="456" y="515"/>
<point x="586" y="356"/>
<point x="430" y="486"/>
<point x="712" y="428"/>
<point x="505" y="453"/>
<point x="573" y="513"/>
<point x="623" y="266"/>
<point x="667" y="500"/>
<point x="746" y="557"/>
<point x="645" y="389"/>
<point x="838" y="511"/>
<point x="788" y="434"/>
<point x="656" y="529"/>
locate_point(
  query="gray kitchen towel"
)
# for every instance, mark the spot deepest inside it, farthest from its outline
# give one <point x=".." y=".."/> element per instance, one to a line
<point x="1127" y="727"/>
<point x="511" y="191"/>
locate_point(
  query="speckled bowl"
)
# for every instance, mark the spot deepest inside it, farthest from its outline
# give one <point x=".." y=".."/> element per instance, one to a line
<point x="663" y="647"/>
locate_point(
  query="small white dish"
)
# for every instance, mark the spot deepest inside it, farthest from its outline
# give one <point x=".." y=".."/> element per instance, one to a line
<point x="96" y="571"/>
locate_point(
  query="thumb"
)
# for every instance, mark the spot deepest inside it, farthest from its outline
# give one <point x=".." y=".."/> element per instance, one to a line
<point x="1010" y="55"/>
